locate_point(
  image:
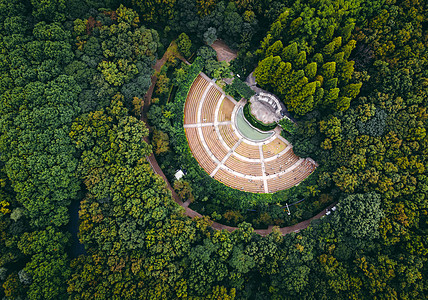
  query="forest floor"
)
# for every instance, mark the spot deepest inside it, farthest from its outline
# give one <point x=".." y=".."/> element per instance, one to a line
<point x="172" y="50"/>
<point x="224" y="53"/>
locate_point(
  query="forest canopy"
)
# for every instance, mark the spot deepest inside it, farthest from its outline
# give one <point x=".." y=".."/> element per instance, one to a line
<point x="77" y="126"/>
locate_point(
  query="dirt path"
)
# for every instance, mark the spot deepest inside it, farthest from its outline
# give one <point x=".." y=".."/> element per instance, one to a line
<point x="223" y="51"/>
<point x="171" y="51"/>
<point x="190" y="212"/>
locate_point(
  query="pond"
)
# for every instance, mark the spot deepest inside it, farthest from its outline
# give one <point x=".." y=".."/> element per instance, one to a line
<point x="76" y="247"/>
<point x="249" y="131"/>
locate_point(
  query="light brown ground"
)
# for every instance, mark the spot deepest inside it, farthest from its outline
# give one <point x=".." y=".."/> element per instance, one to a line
<point x="224" y="53"/>
<point x="227" y="108"/>
<point x="275" y="147"/>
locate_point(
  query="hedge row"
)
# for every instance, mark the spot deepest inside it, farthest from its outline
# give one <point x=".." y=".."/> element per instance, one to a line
<point x="288" y="125"/>
<point x="238" y="89"/>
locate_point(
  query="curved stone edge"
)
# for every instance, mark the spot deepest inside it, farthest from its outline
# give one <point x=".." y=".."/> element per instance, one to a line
<point x="241" y="106"/>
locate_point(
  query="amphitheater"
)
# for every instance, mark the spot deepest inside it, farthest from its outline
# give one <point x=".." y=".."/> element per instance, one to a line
<point x="264" y="165"/>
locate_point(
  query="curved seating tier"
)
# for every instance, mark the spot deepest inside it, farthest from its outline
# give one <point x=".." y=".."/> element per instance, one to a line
<point x="209" y="105"/>
<point x="193" y="99"/>
<point x="273" y="148"/>
<point x="244" y="167"/>
<point x="280" y="183"/>
<point x="243" y="184"/>
<point x="247" y="150"/>
<point x="213" y="142"/>
<point x="226" y="131"/>
<point x="281" y="163"/>
<point x="204" y="160"/>
<point x="291" y="178"/>
<point x="225" y="112"/>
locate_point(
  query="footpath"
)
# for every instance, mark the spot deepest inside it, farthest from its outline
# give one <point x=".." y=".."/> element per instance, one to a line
<point x="187" y="211"/>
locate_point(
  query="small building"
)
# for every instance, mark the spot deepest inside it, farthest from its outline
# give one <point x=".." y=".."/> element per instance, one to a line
<point x="179" y="174"/>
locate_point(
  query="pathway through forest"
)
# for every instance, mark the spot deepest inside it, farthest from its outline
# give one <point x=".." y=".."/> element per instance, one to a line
<point x="155" y="166"/>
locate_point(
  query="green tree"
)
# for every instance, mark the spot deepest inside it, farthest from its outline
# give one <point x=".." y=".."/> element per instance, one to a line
<point x="328" y="69"/>
<point x="49" y="10"/>
<point x="352" y="90"/>
<point x="300" y="61"/>
<point x="331" y="128"/>
<point x="290" y="52"/>
<point x="347" y="30"/>
<point x="184" y="44"/>
<point x="275" y="49"/>
<point x="359" y="215"/>
<point x="160" y="142"/>
<point x="288" y="125"/>
<point x="155" y="10"/>
<point x="311" y="70"/>
<point x="184" y="190"/>
<point x="210" y="36"/>
<point x="48" y="268"/>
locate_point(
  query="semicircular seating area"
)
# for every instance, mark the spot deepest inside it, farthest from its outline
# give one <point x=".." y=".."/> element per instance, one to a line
<point x="253" y="166"/>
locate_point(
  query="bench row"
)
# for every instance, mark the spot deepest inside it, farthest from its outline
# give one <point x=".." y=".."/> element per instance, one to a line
<point x="239" y="183"/>
<point x="198" y="151"/>
<point x="193" y="99"/>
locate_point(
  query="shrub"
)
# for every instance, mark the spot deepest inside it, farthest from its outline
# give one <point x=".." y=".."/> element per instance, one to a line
<point x="288" y="125"/>
<point x="184" y="44"/>
<point x="238" y="89"/>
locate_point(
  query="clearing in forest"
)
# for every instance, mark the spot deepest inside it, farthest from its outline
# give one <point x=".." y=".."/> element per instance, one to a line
<point x="228" y="155"/>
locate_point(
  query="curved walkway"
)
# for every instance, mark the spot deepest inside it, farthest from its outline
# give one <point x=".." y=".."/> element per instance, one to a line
<point x="217" y="226"/>
<point x="189" y="212"/>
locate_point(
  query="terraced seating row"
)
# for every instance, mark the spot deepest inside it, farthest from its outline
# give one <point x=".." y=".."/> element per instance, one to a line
<point x="213" y="142"/>
<point x="272" y="100"/>
<point x="236" y="182"/>
<point x="228" y="135"/>
<point x="280" y="183"/>
<point x="198" y="150"/>
<point x="291" y="178"/>
<point x="281" y="163"/>
<point x="193" y="99"/>
<point x="209" y="105"/>
<point x="225" y="112"/>
<point x="273" y="148"/>
<point x="247" y="150"/>
<point x="244" y="167"/>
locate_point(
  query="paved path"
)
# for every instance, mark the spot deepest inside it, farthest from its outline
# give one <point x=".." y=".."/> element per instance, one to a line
<point x="187" y="211"/>
<point x="297" y="227"/>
